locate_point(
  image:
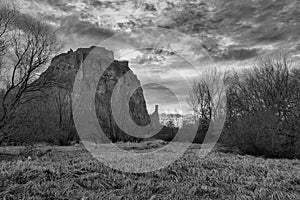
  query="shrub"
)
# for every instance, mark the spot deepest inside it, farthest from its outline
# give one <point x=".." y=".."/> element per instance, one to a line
<point x="263" y="109"/>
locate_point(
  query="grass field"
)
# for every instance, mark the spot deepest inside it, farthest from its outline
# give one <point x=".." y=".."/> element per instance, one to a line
<point x="72" y="173"/>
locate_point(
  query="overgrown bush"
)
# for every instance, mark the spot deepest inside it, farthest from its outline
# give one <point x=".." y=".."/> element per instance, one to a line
<point x="263" y="109"/>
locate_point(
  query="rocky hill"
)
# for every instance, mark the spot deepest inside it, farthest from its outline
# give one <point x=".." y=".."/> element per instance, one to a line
<point x="64" y="68"/>
<point x="51" y="120"/>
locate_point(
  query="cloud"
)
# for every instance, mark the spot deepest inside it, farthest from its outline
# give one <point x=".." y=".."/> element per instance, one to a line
<point x="167" y="83"/>
<point x="77" y="33"/>
<point x="248" y="22"/>
<point x="73" y="25"/>
<point x="239" y="54"/>
<point x="97" y="3"/>
<point x="156" y="94"/>
<point x="151" y="56"/>
<point x="60" y="5"/>
<point x="146" y="59"/>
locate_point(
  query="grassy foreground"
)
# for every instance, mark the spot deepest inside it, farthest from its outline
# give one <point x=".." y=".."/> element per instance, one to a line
<point x="72" y="173"/>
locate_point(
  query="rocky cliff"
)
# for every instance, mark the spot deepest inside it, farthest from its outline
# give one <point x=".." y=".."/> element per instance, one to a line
<point x="63" y="70"/>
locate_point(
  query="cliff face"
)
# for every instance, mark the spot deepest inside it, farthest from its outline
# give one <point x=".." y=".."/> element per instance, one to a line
<point x="63" y="70"/>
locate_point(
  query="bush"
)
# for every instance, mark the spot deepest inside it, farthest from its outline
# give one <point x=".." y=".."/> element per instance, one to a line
<point x="263" y="109"/>
<point x="166" y="134"/>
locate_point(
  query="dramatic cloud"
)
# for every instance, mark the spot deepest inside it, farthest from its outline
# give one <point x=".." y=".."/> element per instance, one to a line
<point x="247" y="22"/>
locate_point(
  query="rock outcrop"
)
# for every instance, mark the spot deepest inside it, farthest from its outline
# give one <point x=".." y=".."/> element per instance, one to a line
<point x="63" y="70"/>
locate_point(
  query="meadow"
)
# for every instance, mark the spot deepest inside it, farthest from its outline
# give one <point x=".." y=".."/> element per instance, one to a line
<point x="72" y="173"/>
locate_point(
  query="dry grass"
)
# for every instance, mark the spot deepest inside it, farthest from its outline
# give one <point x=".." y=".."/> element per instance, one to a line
<point x="72" y="173"/>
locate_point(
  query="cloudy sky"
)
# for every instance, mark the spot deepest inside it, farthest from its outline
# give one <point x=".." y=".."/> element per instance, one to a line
<point x="225" y="34"/>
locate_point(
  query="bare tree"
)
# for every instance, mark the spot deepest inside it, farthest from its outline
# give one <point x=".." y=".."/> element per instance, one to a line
<point x="208" y="101"/>
<point x="268" y="86"/>
<point x="31" y="46"/>
<point x="200" y="100"/>
<point x="7" y="17"/>
<point x="207" y="95"/>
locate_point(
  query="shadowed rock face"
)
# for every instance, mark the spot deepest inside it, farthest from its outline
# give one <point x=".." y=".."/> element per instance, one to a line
<point x="64" y="68"/>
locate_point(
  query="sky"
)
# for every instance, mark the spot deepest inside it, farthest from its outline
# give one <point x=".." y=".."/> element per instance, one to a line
<point x="194" y="35"/>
